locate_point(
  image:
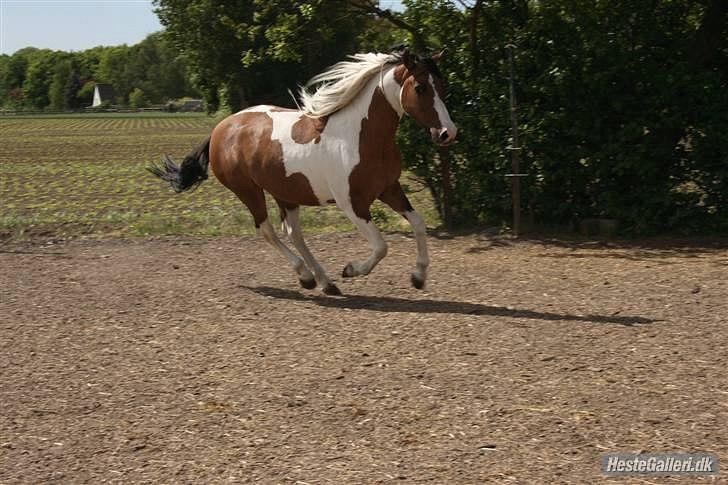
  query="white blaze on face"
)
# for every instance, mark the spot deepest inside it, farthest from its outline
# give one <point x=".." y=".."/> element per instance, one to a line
<point x="447" y="126"/>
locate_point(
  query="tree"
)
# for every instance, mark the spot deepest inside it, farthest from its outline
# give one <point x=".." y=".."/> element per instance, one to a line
<point x="254" y="51"/>
<point x="56" y="90"/>
<point x="64" y="86"/>
<point x="86" y="93"/>
<point x="138" y="99"/>
<point x="12" y="76"/>
<point x="41" y="65"/>
<point x="613" y="118"/>
<point x="158" y="70"/>
<point x="113" y="68"/>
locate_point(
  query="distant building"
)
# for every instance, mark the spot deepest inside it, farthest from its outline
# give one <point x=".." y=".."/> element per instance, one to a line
<point x="192" y="105"/>
<point x="103" y="93"/>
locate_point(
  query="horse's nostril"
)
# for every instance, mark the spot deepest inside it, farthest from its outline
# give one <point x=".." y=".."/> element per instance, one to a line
<point x="444" y="135"/>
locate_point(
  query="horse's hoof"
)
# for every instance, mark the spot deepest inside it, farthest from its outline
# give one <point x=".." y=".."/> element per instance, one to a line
<point x="308" y="284"/>
<point x="332" y="289"/>
<point x="417" y="282"/>
<point x="348" y="271"/>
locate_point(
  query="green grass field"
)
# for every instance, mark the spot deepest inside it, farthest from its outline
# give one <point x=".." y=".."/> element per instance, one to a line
<point x="84" y="174"/>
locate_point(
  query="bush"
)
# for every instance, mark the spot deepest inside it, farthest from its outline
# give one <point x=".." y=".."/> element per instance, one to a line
<point x="137" y="99"/>
<point x="622" y="113"/>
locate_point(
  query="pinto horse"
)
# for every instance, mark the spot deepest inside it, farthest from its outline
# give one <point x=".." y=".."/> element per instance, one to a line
<point x="338" y="148"/>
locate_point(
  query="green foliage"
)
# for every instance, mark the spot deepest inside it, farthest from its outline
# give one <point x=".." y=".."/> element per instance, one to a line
<point x="615" y="123"/>
<point x="152" y="66"/>
<point x="254" y="51"/>
<point x="138" y="99"/>
<point x="65" y="85"/>
<point x="85" y="95"/>
<point x="380" y="215"/>
<point x="622" y="111"/>
<point x="114" y="69"/>
<point x="39" y="79"/>
<point x="12" y="76"/>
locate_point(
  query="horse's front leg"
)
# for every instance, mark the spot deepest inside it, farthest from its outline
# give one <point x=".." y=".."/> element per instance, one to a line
<point x="395" y="198"/>
<point x="357" y="210"/>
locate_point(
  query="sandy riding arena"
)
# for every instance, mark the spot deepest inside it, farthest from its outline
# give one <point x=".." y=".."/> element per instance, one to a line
<point x="200" y="360"/>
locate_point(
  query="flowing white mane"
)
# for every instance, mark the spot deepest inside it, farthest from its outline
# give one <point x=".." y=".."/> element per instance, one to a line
<point x="340" y="84"/>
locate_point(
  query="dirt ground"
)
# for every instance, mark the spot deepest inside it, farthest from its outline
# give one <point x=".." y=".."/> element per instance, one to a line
<point x="201" y="361"/>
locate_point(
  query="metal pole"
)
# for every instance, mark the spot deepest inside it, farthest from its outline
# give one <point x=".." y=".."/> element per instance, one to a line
<point x="515" y="148"/>
<point x="444" y="153"/>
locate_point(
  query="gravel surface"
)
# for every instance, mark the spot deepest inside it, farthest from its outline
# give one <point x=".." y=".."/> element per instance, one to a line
<point x="200" y="360"/>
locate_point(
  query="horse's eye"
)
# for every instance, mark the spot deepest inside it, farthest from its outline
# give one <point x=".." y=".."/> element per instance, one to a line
<point x="420" y="89"/>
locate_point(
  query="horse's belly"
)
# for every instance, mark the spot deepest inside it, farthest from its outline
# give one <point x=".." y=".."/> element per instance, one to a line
<point x="318" y="167"/>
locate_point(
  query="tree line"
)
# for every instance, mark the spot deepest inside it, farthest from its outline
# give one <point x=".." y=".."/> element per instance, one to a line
<point x="150" y="72"/>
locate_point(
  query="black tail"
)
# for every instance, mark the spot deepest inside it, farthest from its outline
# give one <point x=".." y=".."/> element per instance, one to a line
<point x="191" y="173"/>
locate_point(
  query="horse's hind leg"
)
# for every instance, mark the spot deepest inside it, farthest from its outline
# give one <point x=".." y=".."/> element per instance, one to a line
<point x="252" y="196"/>
<point x="305" y="278"/>
<point x="292" y="226"/>
<point x="395" y="198"/>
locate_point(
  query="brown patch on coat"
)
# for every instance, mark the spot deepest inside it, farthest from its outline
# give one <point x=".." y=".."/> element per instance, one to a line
<point x="395" y="198"/>
<point x="400" y="74"/>
<point x="308" y="129"/>
<point x="380" y="162"/>
<point x="246" y="160"/>
<point x="420" y="106"/>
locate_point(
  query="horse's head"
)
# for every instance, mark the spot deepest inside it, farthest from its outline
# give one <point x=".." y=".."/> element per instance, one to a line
<point x="422" y="95"/>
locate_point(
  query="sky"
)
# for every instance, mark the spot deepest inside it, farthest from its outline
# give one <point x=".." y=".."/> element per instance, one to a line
<point x="76" y="25"/>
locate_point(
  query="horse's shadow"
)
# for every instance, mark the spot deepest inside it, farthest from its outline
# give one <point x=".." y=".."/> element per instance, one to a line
<point x="392" y="304"/>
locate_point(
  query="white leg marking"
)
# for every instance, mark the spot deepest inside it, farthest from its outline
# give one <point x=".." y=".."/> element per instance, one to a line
<point x="293" y="229"/>
<point x="376" y="242"/>
<point x="419" y="275"/>
<point x="270" y="236"/>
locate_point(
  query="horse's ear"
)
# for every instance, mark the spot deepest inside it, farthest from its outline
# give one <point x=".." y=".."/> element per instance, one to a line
<point x="438" y="55"/>
<point x="409" y="60"/>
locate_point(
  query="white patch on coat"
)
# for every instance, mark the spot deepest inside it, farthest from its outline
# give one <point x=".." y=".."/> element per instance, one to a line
<point x="392" y="91"/>
<point x="328" y="163"/>
<point x="261" y="108"/>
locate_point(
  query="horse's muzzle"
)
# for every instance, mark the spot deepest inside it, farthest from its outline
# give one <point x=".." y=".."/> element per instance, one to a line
<point x="443" y="136"/>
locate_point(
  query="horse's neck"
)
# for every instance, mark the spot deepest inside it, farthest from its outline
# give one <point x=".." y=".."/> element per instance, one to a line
<point x="373" y="106"/>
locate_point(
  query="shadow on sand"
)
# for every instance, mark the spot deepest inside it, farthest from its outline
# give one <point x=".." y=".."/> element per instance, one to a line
<point x="392" y="304"/>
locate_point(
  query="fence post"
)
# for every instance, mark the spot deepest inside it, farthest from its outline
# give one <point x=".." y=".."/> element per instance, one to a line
<point x="515" y="148"/>
<point x="444" y="155"/>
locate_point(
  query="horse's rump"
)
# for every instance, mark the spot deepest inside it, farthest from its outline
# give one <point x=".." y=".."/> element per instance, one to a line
<point x="242" y="147"/>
